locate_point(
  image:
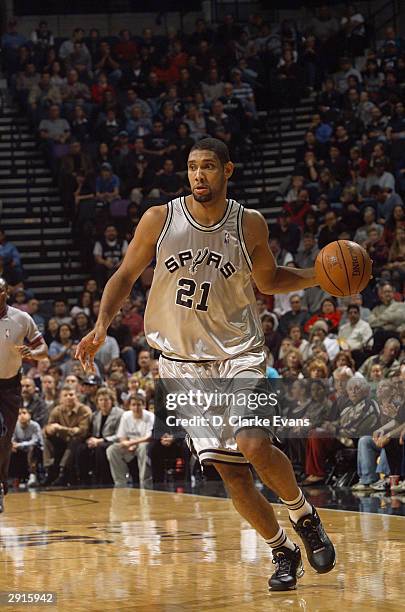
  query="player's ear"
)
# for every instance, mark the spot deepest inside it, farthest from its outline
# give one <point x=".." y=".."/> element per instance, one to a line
<point x="228" y="169"/>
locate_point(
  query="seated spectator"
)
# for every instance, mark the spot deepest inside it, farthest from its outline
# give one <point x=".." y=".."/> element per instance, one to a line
<point x="294" y="363"/>
<point x="299" y="208"/>
<point x="321" y="338"/>
<point x="307" y="251"/>
<point x="356" y="419"/>
<point x="108" y="254"/>
<point x="296" y="316"/>
<point x="91" y="461"/>
<point x="282" y="257"/>
<point x="368" y="450"/>
<point x="106" y="62"/>
<point x="219" y="125"/>
<point x="213" y="88"/>
<point x="169" y="183"/>
<point x="134" y="433"/>
<point x="26" y="449"/>
<point x="387" y="358"/>
<point x="138" y="124"/>
<point x="144" y="375"/>
<point x="296" y="335"/>
<point x="10" y="261"/>
<point x="396" y="259"/>
<point x="60" y="349"/>
<point x="393" y="221"/>
<point x="33" y="402"/>
<point x="327" y="311"/>
<point x="287" y="232"/>
<point x="331" y="230"/>
<point x="390" y="314"/>
<point x="49" y="394"/>
<point x="346" y="70"/>
<point x="109" y="127"/>
<point x="370" y="220"/>
<point x="356" y="334"/>
<point x="67" y="426"/>
<point x="196" y="122"/>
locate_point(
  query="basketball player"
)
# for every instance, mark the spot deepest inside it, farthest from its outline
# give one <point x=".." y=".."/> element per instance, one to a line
<point x="16" y="327"/>
<point x="201" y="314"/>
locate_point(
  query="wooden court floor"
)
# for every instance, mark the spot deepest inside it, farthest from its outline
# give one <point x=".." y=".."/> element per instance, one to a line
<point x="129" y="549"/>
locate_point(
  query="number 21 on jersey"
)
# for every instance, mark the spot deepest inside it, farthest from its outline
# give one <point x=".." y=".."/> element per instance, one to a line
<point x="190" y="295"/>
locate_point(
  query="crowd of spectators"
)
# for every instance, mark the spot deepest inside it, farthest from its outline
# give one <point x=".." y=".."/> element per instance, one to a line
<point x="116" y="118"/>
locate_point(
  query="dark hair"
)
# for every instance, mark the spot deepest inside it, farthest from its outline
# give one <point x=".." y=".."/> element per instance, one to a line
<point x="355" y="306"/>
<point x="216" y="146"/>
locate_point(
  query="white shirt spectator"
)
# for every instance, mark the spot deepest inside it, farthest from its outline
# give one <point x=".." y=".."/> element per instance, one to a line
<point x="134" y="428"/>
<point x="354" y="336"/>
<point x="282" y="301"/>
<point x="386" y="180"/>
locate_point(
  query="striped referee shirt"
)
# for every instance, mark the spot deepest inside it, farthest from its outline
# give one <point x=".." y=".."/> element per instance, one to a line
<point x="16" y="328"/>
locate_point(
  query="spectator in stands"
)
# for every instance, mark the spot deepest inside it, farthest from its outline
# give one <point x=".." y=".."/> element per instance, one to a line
<point x="368" y="451"/>
<point x="91" y="455"/>
<point x="108" y="254"/>
<point x="307" y="251"/>
<point x="52" y="132"/>
<point x="60" y="350"/>
<point x="33" y="402"/>
<point x="287" y="232"/>
<point x="169" y="183"/>
<point x="49" y="393"/>
<point x="356" y="419"/>
<point x="296" y="316"/>
<point x="67" y="47"/>
<point x="282" y="257"/>
<point x="356" y="333"/>
<point x="10" y="261"/>
<point x="390" y="314"/>
<point x="134" y="433"/>
<point x="26" y="449"/>
<point x="67" y="426"/>
<point x="388" y="360"/>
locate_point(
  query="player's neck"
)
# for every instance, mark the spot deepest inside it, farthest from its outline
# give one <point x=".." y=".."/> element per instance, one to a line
<point x="207" y="213"/>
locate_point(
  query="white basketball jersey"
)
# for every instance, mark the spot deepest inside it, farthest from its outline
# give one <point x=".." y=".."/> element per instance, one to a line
<point x="201" y="304"/>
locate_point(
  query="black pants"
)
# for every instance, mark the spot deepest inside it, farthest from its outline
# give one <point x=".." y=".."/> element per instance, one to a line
<point x="25" y="462"/>
<point x="59" y="453"/>
<point x="163" y="457"/>
<point x="10" y="402"/>
<point x="92" y="459"/>
<point x="395" y="453"/>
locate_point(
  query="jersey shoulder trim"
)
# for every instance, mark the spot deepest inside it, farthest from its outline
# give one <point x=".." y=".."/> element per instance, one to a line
<point x="242" y="239"/>
<point x="169" y="216"/>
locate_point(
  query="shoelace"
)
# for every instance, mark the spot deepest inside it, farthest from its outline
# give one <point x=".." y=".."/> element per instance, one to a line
<point x="313" y="534"/>
<point x="283" y="564"/>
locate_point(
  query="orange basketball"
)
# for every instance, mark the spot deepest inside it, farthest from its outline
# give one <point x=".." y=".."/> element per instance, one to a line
<point x="343" y="268"/>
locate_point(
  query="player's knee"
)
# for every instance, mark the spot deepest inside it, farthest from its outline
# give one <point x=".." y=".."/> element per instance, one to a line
<point x="253" y="444"/>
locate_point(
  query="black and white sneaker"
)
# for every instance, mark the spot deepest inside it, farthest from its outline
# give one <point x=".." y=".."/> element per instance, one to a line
<point x="320" y="550"/>
<point x="288" y="568"/>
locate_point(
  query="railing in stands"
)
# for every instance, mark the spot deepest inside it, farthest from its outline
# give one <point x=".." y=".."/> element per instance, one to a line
<point x="15" y="145"/>
<point x="45" y="212"/>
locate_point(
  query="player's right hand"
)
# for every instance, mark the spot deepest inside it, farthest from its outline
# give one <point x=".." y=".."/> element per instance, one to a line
<point x="88" y="347"/>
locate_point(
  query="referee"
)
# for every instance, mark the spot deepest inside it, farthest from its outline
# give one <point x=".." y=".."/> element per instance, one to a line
<point x="19" y="338"/>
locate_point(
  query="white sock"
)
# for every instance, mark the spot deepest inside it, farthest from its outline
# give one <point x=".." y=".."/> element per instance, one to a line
<point x="280" y="539"/>
<point x="297" y="507"/>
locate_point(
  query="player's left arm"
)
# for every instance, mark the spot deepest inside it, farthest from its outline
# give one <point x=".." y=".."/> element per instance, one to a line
<point x="268" y="276"/>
